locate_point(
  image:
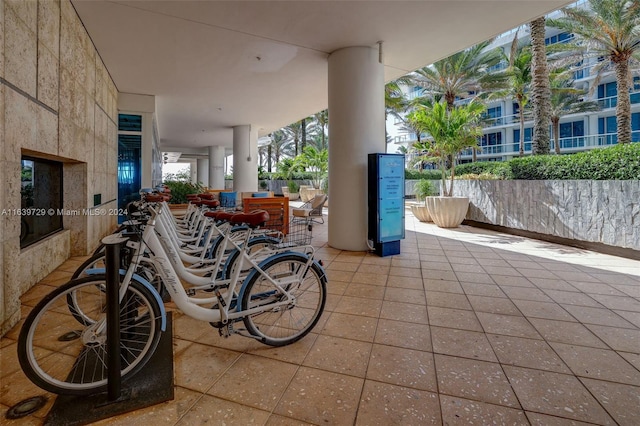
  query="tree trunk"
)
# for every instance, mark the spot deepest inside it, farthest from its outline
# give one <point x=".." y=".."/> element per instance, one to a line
<point x="623" y="108"/>
<point x="521" y="114"/>
<point x="556" y="133"/>
<point x="541" y="90"/>
<point x="303" y="129"/>
<point x="269" y="159"/>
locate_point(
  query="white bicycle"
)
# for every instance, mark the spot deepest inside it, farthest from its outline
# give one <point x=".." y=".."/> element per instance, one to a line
<point x="62" y="344"/>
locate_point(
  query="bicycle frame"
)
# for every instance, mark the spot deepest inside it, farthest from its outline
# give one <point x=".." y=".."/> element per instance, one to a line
<point x="165" y="257"/>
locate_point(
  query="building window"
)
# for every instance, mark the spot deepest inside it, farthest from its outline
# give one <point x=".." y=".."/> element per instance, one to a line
<point x="528" y="135"/>
<point x="493" y="116"/>
<point x="491" y="143"/>
<point x="608" y="95"/>
<point x="572" y="134"/>
<point x="41" y="199"/>
<point x="607" y="130"/>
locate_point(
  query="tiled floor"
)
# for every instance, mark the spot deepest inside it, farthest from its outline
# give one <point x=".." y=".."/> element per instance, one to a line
<point x="465" y="326"/>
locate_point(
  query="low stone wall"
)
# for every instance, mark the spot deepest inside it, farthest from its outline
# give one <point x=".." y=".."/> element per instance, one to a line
<point x="606" y="212"/>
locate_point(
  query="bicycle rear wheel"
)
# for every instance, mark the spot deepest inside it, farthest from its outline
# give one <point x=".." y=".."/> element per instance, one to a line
<point x="64" y="355"/>
<point x="285" y="324"/>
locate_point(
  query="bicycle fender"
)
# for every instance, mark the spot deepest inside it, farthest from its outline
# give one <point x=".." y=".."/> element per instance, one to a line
<point x="163" y="312"/>
<point x="254" y="272"/>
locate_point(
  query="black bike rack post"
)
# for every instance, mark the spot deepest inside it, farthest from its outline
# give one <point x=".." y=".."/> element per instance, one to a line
<point x="112" y="264"/>
<point x="152" y="385"/>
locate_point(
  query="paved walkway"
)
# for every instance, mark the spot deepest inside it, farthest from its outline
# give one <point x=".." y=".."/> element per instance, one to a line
<point x="465" y="326"/>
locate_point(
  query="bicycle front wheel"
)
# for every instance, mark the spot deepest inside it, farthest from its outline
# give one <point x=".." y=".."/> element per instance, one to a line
<point x="65" y="356"/>
<point x="284" y="324"/>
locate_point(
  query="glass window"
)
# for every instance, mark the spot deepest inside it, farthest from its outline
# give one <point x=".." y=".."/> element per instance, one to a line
<point x="129" y="123"/>
<point x="41" y="197"/>
<point x="528" y="135"/>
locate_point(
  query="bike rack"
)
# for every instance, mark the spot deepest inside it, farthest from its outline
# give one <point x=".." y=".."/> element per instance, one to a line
<point x="152" y="385"/>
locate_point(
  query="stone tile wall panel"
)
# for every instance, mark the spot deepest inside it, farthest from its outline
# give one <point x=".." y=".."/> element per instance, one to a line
<point x="605" y="212"/>
<point x="48" y="77"/>
<point x="20" y="50"/>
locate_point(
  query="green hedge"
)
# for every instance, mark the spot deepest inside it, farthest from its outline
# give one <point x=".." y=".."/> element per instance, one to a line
<point x="180" y="190"/>
<point x="618" y="162"/>
<point x="500" y="169"/>
<point x="424" y="174"/>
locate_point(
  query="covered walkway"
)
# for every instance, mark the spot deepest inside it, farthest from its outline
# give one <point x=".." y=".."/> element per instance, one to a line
<point x="465" y="326"/>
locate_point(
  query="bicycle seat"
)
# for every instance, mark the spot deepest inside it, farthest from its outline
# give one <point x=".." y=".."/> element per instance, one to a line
<point x="206" y="196"/>
<point x="210" y="203"/>
<point x="154" y="198"/>
<point x="254" y="219"/>
<point x="219" y="215"/>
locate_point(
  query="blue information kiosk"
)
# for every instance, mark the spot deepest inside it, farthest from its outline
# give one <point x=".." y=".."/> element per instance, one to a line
<point x="386" y="202"/>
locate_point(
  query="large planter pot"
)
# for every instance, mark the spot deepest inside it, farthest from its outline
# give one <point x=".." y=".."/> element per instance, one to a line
<point x="447" y="212"/>
<point x="421" y="212"/>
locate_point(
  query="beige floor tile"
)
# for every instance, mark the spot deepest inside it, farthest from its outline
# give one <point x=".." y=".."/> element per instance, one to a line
<point x="368" y="291"/>
<point x="376" y="260"/>
<point x="474" y="269"/>
<point x="255" y="381"/>
<point x="545" y="310"/>
<point x="632" y="317"/>
<point x="474" y="379"/>
<point x="447" y="300"/>
<point x="321" y="397"/>
<point x="434" y="274"/>
<point x="443" y="286"/>
<point x="404" y="282"/>
<point x="508" y="325"/>
<point x="293" y="353"/>
<point x="9" y="358"/>
<point x="460" y="411"/>
<point x="350" y="327"/>
<point x="462" y="343"/>
<point x="596" y="288"/>
<point x="187" y="328"/>
<point x="166" y="413"/>
<point x="369" y="278"/>
<point x="630" y="290"/>
<point x="16" y="387"/>
<point x="555" y="394"/>
<point x="548" y="283"/>
<point x="402" y="367"/>
<point x="537" y="419"/>
<point x="342" y="266"/>
<point x="528" y="353"/>
<point x="433" y="265"/>
<point x="575" y="276"/>
<point x="633" y="359"/>
<point x="621" y="401"/>
<point x="339" y="355"/>
<point x="404" y="263"/>
<point x="462" y="260"/>
<point x="370" y="268"/>
<point x="406" y="312"/>
<point x="488" y="290"/>
<point x="474" y="278"/>
<point x="454" y="318"/>
<point x="404" y="334"/>
<point x="511" y="281"/>
<point x="493" y="305"/>
<point x="598" y="316"/>
<point x="615" y="302"/>
<point x="36" y="294"/>
<point x="199" y="366"/>
<point x="500" y="270"/>
<point x="359" y="306"/>
<point x="566" y="332"/>
<point x="541" y="275"/>
<point x="405" y="295"/>
<point x="525" y="293"/>
<point x="385" y="404"/>
<point x="211" y="410"/>
<point x="597" y="363"/>
<point x="335" y="275"/>
<point x="351" y="256"/>
<point x="337" y="287"/>
<point x="277" y="420"/>
<point x="572" y="298"/>
<point x="620" y="339"/>
<point x="405" y="272"/>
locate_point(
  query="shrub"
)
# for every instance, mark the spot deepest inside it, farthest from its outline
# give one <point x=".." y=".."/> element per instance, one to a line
<point x="180" y="189"/>
<point x="293" y="187"/>
<point x="481" y="176"/>
<point x="424" y="174"/>
<point x="500" y="169"/>
<point x="423" y="188"/>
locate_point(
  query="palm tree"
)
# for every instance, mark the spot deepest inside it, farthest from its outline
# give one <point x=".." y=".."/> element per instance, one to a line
<point x="322" y="120"/>
<point x="518" y="76"/>
<point x="609" y="29"/>
<point x="540" y="90"/>
<point x="278" y="145"/>
<point x="565" y="100"/>
<point x="461" y="75"/>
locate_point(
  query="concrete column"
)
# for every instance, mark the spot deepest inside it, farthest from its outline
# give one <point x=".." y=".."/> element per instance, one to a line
<point x="356" y="108"/>
<point x="245" y="159"/>
<point x="216" y="167"/>
<point x="202" y="164"/>
<point x="193" y="165"/>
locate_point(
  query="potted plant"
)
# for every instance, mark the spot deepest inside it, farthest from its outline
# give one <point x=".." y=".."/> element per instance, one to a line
<point x="423" y="189"/>
<point x="451" y="130"/>
<point x="293" y="188"/>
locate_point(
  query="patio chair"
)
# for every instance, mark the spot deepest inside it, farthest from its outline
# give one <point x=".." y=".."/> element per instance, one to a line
<point x="312" y="208"/>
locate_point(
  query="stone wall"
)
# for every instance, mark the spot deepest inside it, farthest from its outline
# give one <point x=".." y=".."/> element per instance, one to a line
<point x="57" y="101"/>
<point x="605" y="212"/>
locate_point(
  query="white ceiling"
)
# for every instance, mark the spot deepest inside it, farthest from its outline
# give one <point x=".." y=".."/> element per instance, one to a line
<point x="217" y="64"/>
